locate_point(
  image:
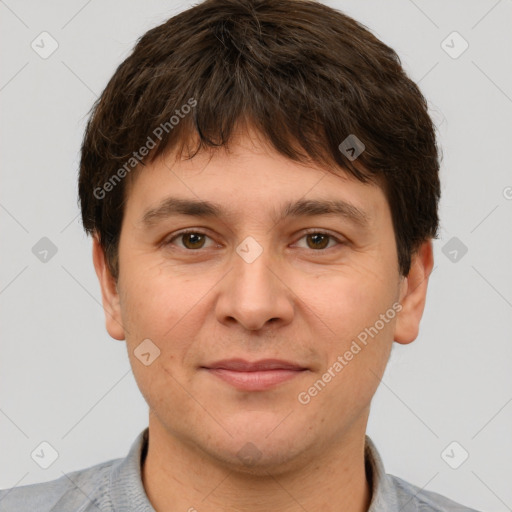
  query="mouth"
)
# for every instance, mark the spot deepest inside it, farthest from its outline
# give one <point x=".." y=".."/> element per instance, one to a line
<point x="255" y="376"/>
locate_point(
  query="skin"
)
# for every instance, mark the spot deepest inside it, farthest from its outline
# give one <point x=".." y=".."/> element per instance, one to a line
<point x="295" y="302"/>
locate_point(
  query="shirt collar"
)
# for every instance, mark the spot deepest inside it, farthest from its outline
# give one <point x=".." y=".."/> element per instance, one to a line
<point x="126" y="489"/>
<point x="384" y="495"/>
<point x="128" y="494"/>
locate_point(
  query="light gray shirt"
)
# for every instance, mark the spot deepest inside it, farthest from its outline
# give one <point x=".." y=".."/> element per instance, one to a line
<point x="116" y="486"/>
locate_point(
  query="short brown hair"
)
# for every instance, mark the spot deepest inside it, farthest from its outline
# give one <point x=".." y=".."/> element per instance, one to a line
<point x="305" y="75"/>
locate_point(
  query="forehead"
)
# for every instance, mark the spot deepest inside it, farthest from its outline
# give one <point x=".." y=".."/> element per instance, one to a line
<point x="249" y="176"/>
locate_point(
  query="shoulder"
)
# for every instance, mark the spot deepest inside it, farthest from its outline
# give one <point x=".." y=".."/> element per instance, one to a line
<point x="413" y="498"/>
<point x="82" y="490"/>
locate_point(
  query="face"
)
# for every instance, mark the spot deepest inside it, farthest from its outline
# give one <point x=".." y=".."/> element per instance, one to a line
<point x="256" y="281"/>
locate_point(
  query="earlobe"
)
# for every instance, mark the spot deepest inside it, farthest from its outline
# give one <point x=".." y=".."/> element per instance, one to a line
<point x="413" y="293"/>
<point x="109" y="292"/>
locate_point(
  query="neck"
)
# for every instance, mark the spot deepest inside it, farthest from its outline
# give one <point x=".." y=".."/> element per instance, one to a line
<point x="179" y="477"/>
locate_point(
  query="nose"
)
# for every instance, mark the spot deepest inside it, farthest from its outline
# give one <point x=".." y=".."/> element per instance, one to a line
<point x="253" y="294"/>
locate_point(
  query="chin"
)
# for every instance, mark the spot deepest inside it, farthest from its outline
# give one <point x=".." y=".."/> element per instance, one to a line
<point x="260" y="450"/>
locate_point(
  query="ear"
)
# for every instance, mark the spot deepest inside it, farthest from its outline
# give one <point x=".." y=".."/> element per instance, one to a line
<point x="109" y="293"/>
<point x="413" y="293"/>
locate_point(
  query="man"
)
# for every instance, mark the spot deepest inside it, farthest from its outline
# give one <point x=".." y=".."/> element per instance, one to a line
<point x="260" y="178"/>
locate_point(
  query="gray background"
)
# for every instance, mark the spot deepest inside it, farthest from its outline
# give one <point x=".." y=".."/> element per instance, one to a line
<point x="65" y="381"/>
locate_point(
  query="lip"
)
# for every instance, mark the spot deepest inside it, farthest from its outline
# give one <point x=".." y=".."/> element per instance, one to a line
<point x="254" y="380"/>
<point x="241" y="365"/>
<point x="257" y="375"/>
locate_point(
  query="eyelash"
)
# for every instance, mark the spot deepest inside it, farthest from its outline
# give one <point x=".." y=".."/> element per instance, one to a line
<point x="307" y="232"/>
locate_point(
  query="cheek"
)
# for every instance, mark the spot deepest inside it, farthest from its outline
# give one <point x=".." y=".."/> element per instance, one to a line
<point x="349" y="300"/>
<point x="156" y="298"/>
<point x="168" y="309"/>
<point x="357" y="348"/>
<point x="359" y="340"/>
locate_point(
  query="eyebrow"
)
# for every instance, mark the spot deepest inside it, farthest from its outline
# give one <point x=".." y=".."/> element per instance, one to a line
<point x="173" y="206"/>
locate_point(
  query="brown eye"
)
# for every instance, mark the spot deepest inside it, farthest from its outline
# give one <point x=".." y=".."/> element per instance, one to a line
<point x="193" y="240"/>
<point x="318" y="240"/>
<point x="190" y="240"/>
